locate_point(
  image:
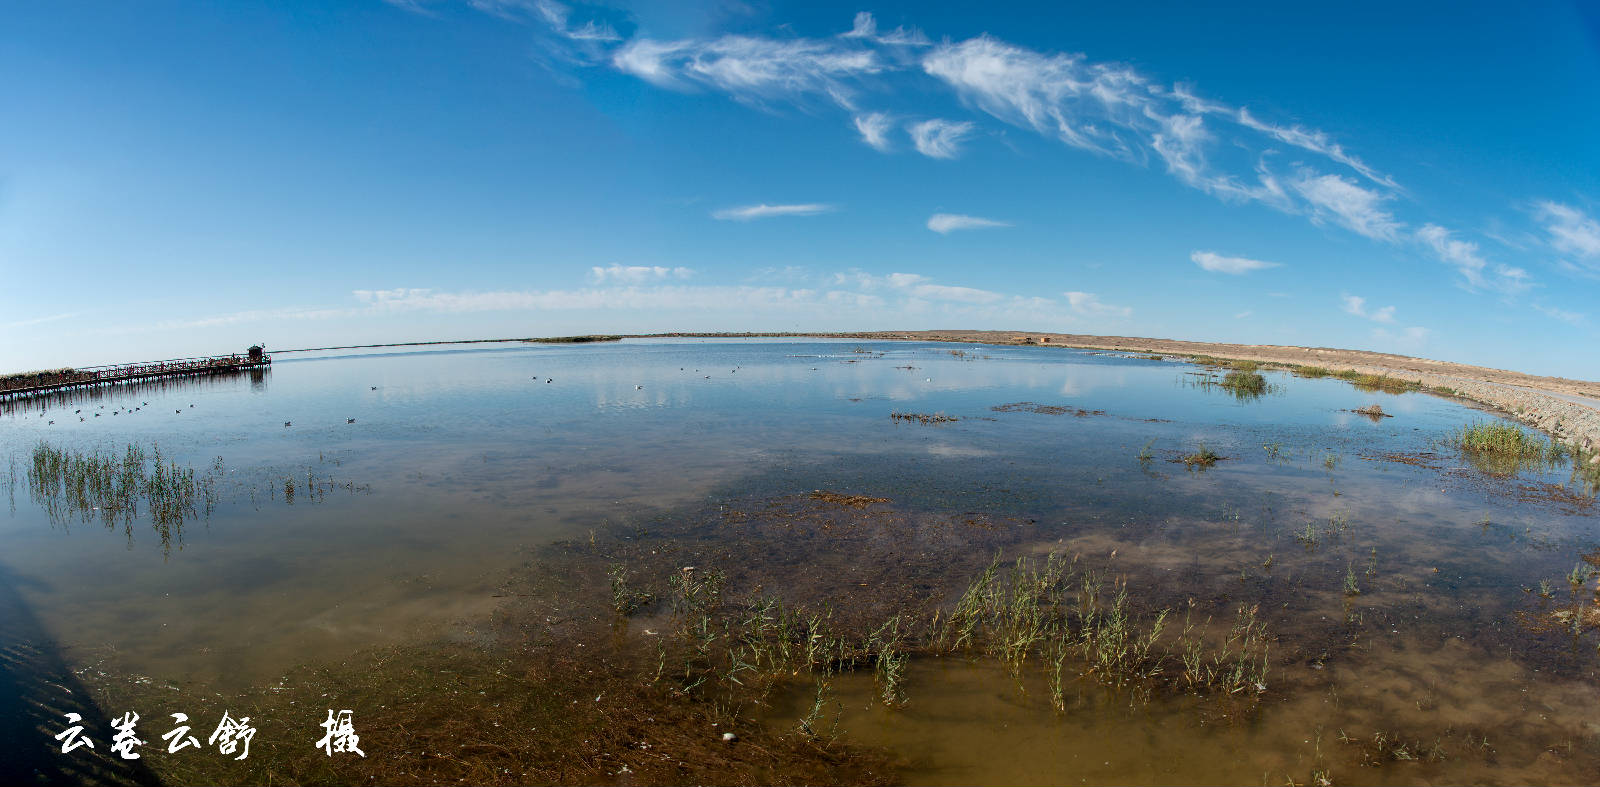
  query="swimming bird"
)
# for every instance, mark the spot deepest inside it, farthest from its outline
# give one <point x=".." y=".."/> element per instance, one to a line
<point x="638" y="388"/>
<point x="374" y="387"/>
<point x="551" y="380"/>
<point x="285" y="423"/>
<point x="349" y="420"/>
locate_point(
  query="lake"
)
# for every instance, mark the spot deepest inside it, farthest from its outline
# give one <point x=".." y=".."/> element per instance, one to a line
<point x="1414" y="613"/>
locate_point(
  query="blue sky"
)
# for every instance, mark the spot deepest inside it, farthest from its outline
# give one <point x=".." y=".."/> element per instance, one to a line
<point x="184" y="178"/>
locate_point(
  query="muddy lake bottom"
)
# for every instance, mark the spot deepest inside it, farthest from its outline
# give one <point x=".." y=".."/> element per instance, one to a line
<point x="797" y="562"/>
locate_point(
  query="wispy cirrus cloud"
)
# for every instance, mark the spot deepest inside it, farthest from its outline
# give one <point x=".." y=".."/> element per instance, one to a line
<point x="765" y="211"/>
<point x="40" y="320"/>
<point x="1217" y="263"/>
<point x="1571" y="318"/>
<point x="636" y="274"/>
<point x="750" y="68"/>
<point x="1572" y="233"/>
<point x="1476" y="272"/>
<point x="1342" y="200"/>
<point x="939" y="138"/>
<point x="946" y="223"/>
<point x="875" y="128"/>
<point x="866" y="27"/>
<point x="1103" y="107"/>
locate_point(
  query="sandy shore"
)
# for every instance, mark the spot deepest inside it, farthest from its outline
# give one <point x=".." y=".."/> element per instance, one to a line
<point x="1568" y="410"/>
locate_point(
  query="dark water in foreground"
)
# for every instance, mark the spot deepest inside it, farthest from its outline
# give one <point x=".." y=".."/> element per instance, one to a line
<point x="1451" y="661"/>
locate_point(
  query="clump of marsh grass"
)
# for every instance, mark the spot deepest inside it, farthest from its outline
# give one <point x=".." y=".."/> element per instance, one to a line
<point x="1352" y="587"/>
<point x="926" y="419"/>
<point x="1372" y="411"/>
<point x="1048" y="610"/>
<point x="1379" y="382"/>
<point x="110" y="487"/>
<point x="1580" y="574"/>
<point x="625" y="598"/>
<point x="1501" y="448"/>
<point x="1312" y="372"/>
<point x="1144" y="456"/>
<point x="1044" y="613"/>
<point x="1203" y="458"/>
<point x="1245" y="382"/>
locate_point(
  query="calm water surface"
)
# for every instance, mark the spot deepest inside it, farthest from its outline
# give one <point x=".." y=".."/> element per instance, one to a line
<point x="408" y="520"/>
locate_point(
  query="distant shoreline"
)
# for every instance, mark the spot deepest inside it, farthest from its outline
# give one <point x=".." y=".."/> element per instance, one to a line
<point x="1567" y="409"/>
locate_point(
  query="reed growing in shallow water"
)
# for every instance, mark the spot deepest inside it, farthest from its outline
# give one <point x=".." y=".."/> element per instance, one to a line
<point x="102" y="485"/>
<point x="1075" y="624"/>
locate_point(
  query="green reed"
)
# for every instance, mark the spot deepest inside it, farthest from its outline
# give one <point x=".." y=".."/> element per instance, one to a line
<point x="121" y="488"/>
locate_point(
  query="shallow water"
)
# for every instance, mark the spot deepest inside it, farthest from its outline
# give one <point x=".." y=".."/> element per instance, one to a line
<point x="460" y="462"/>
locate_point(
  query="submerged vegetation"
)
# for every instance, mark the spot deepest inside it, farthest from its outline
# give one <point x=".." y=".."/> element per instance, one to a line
<point x="1049" y="612"/>
<point x="926" y="419"/>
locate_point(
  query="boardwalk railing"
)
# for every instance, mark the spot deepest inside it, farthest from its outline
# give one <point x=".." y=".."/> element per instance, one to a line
<point x="58" y="379"/>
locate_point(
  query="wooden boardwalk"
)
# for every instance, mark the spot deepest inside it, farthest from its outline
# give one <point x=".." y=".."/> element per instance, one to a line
<point x="64" y="379"/>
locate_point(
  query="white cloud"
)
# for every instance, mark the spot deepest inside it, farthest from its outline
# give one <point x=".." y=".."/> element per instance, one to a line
<point x="874" y="128"/>
<point x="750" y="68"/>
<point x="1314" y="141"/>
<point x="945" y="223"/>
<point x="764" y="211"/>
<point x="940" y="138"/>
<point x="1462" y="254"/>
<point x="1108" y="108"/>
<point x="1571" y="232"/>
<point x="1359" y="209"/>
<point x="1570" y="318"/>
<point x="1467" y="260"/>
<point x="1358" y="306"/>
<point x="1089" y="305"/>
<point x="40" y="320"/>
<point x="917" y="286"/>
<point x="636" y="274"/>
<point x="1243" y="314"/>
<point x="1056" y="95"/>
<point x="866" y="27"/>
<point x="1216" y="263"/>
